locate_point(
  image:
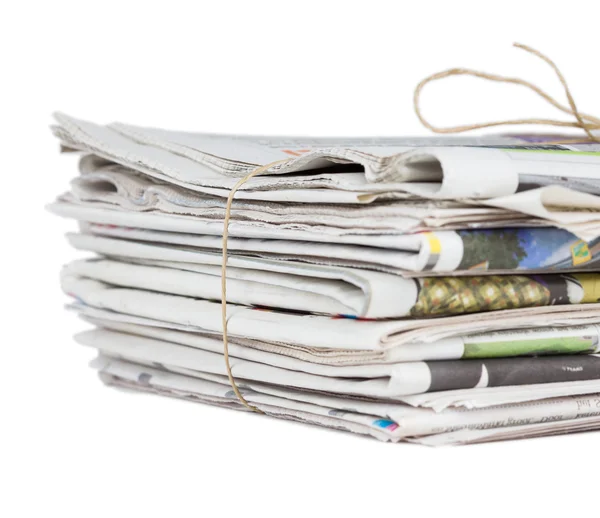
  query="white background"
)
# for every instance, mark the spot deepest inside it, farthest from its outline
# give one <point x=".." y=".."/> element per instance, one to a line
<point x="71" y="447"/>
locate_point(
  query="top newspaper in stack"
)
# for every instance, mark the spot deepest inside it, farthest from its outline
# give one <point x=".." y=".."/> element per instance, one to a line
<point x="449" y="195"/>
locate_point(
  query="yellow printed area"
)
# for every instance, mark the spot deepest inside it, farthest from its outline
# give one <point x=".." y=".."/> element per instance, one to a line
<point x="435" y="247"/>
<point x="590" y="282"/>
<point x="580" y="252"/>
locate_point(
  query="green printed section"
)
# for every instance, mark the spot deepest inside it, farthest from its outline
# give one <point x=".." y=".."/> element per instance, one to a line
<point x="539" y="347"/>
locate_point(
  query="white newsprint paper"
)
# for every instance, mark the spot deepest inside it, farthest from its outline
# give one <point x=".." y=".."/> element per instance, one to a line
<point x="431" y="290"/>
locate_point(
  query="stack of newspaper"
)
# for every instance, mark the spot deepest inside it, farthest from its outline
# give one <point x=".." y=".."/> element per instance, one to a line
<point x="438" y="291"/>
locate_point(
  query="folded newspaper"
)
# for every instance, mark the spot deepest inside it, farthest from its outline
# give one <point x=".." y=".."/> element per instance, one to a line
<point x="432" y="290"/>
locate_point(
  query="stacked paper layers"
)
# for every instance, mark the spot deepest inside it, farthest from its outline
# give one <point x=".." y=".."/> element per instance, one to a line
<point x="439" y="291"/>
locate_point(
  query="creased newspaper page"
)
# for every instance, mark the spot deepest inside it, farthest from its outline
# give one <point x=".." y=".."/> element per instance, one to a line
<point x="336" y="291"/>
<point x="294" y="286"/>
<point x="427" y="253"/>
<point x="190" y="158"/>
<point x="308" y="329"/>
<point x="401" y="380"/>
<point x="385" y="421"/>
<point x="376" y="237"/>
<point x="503" y="344"/>
<point x="581" y="220"/>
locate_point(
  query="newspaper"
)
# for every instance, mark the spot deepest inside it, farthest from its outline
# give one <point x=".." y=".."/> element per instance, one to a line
<point x="130" y="191"/>
<point x="132" y="376"/>
<point x="501" y="344"/>
<point x="309" y="330"/>
<point x="496" y="177"/>
<point x="379" y="381"/>
<point x="385" y="421"/>
<point x="534" y="250"/>
<point x="110" y="215"/>
<point x="193" y="159"/>
<point x="294" y="286"/>
<point x="133" y="192"/>
<point x="342" y="291"/>
<point x="580" y="216"/>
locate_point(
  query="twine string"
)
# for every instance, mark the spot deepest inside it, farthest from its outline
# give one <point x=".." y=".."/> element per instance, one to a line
<point x="583" y="121"/>
<point x="241" y="182"/>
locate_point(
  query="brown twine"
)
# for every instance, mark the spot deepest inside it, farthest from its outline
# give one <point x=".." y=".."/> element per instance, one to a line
<point x="241" y="182"/>
<point x="586" y="122"/>
<point x="583" y="121"/>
